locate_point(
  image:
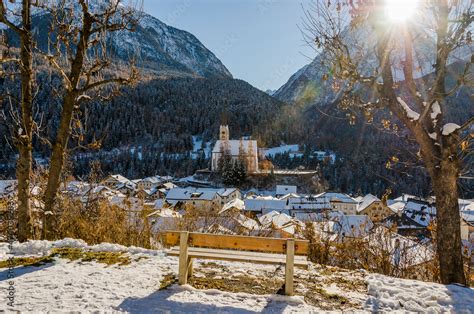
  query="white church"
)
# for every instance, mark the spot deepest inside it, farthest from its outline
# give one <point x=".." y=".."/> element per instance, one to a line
<point x="235" y="148"/>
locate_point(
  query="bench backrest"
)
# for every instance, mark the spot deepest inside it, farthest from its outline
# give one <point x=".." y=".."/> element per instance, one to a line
<point x="236" y="242"/>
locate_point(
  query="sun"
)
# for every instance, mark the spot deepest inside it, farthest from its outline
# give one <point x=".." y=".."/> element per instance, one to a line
<point x="400" y="10"/>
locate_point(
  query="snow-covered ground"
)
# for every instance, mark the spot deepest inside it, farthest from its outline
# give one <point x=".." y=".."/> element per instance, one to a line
<point x="146" y="286"/>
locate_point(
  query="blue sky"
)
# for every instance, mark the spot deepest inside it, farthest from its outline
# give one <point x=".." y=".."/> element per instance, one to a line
<point x="257" y="40"/>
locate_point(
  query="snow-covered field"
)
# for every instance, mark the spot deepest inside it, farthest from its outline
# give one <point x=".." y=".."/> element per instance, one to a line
<point x="146" y="285"/>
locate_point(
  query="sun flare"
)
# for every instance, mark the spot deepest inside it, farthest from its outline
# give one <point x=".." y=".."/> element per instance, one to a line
<point x="400" y="10"/>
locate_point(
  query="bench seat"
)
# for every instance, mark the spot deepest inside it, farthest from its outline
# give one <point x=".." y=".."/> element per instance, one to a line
<point x="240" y="256"/>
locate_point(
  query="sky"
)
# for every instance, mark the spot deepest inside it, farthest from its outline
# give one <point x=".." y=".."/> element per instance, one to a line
<point x="257" y="40"/>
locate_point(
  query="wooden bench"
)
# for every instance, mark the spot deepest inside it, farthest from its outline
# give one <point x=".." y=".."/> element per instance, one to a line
<point x="236" y="248"/>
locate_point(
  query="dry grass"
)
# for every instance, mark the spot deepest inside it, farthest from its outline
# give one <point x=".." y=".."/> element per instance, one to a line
<point x="319" y="297"/>
<point x="99" y="221"/>
<point x="72" y="254"/>
<point x="108" y="258"/>
<point x="241" y="283"/>
<point x="27" y="261"/>
<point x="167" y="281"/>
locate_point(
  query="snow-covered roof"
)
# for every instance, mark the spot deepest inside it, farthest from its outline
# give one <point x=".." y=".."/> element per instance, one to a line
<point x="280" y="221"/>
<point x="153" y="180"/>
<point x="397" y="206"/>
<point x="468" y="216"/>
<point x="259" y="204"/>
<point x="7" y="187"/>
<point x="272" y="151"/>
<point x="234" y="146"/>
<point x="246" y="222"/>
<point x="337" y="197"/>
<point x="402" y="221"/>
<point x="120" y="178"/>
<point x="184" y="194"/>
<point x="323" y="216"/>
<point x="308" y="203"/>
<point x="165" y="212"/>
<point x="289" y="195"/>
<point x="235" y="203"/>
<point x="466" y="204"/>
<point x="169" y="185"/>
<point x="404" y="251"/>
<point x="226" y="191"/>
<point x="159" y="204"/>
<point x="285" y="189"/>
<point x="77" y="187"/>
<point x="367" y="200"/>
<point x="420" y="212"/>
<point x="353" y="225"/>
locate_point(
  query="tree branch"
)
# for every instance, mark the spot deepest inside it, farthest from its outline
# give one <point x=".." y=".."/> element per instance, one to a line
<point x="4" y="20"/>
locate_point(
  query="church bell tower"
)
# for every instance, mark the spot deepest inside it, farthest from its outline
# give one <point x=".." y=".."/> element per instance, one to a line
<point x="224" y="133"/>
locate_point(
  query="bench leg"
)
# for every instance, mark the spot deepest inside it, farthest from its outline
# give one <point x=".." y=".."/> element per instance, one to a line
<point x="289" y="266"/>
<point x="190" y="267"/>
<point x="183" y="258"/>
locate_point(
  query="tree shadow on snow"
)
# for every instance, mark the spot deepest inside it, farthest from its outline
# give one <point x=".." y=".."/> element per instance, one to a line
<point x="459" y="300"/>
<point x="462" y="299"/>
<point x="22" y="270"/>
<point x="161" y="302"/>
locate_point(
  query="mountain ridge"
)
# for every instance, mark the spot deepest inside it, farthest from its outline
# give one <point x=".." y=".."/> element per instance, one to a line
<point x="155" y="47"/>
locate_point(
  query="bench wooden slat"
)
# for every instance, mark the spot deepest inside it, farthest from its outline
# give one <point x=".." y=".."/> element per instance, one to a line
<point x="240" y="256"/>
<point x="261" y="244"/>
<point x="175" y="250"/>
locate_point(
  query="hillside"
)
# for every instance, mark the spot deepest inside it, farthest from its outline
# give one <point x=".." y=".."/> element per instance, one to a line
<point x="159" y="117"/>
<point x="158" y="48"/>
<point x="111" y="277"/>
<point x="365" y="147"/>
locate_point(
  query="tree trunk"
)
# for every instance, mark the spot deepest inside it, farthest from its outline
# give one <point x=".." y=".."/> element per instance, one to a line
<point x="23" y="170"/>
<point x="448" y="235"/>
<point x="56" y="165"/>
<point x="24" y="136"/>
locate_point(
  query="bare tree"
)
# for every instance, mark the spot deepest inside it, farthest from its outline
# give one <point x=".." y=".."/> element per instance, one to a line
<point x="376" y="64"/>
<point x="80" y="54"/>
<point x="24" y="125"/>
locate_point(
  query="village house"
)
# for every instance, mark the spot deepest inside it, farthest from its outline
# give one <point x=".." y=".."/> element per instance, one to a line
<point x="120" y="183"/>
<point x="422" y="212"/>
<point x="201" y="198"/>
<point x="7" y="190"/>
<point x="339" y="227"/>
<point x="149" y="183"/>
<point x="340" y="202"/>
<point x="373" y="207"/>
<point x="282" y="190"/>
<point x="467" y="225"/>
<point x="325" y="156"/>
<point x="280" y="225"/>
<point x="246" y="150"/>
<point x="264" y="204"/>
<point x="307" y="204"/>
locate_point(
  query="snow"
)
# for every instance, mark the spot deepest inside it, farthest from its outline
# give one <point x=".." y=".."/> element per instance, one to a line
<point x="366" y="201"/>
<point x="7" y="186"/>
<point x="412" y="115"/>
<point x="285" y="189"/>
<point x="271" y="152"/>
<point x="435" y="110"/>
<point x="388" y="294"/>
<point x="198" y="148"/>
<point x="67" y="286"/>
<point x="449" y="128"/>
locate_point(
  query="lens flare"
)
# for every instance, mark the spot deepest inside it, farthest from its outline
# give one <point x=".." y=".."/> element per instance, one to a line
<point x="399" y="11"/>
